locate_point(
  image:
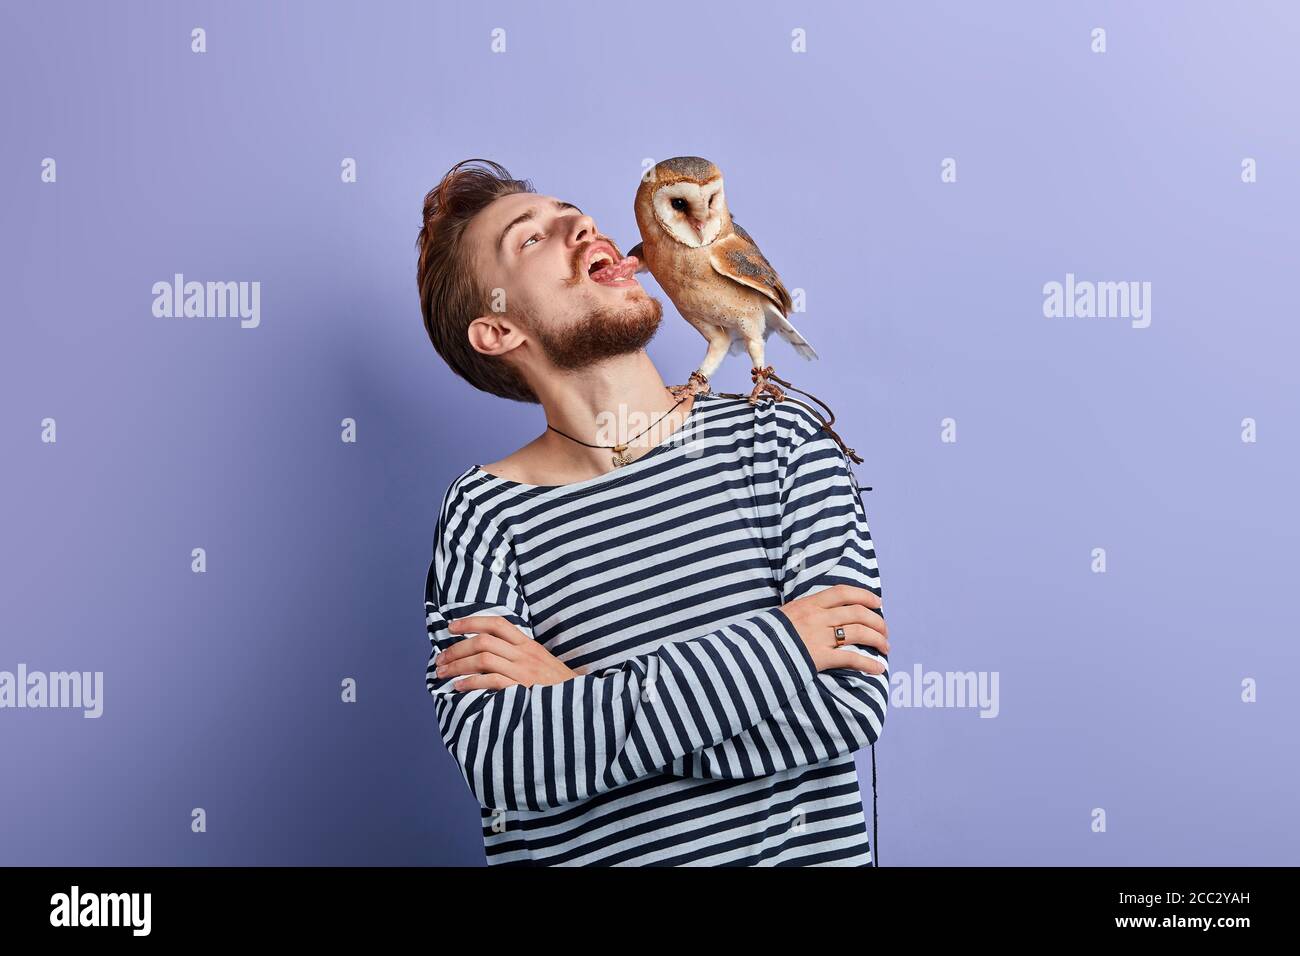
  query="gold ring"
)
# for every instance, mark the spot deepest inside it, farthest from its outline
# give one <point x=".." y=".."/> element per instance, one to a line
<point x="839" y="637"/>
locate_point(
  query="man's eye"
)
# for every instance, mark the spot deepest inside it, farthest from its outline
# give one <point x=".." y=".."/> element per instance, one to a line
<point x="535" y="235"/>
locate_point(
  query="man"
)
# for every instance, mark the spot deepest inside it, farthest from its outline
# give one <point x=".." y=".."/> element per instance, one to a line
<point x="670" y="661"/>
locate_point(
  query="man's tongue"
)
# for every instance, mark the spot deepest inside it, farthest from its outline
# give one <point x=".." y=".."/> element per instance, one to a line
<point x="623" y="269"/>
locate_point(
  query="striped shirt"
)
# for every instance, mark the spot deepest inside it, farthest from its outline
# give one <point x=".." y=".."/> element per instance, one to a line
<point x="699" y="731"/>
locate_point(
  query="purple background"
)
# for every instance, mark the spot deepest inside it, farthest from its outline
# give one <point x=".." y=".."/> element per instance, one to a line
<point x="1119" y="690"/>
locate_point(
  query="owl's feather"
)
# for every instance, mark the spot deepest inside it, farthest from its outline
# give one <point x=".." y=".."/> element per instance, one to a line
<point x="780" y="322"/>
<point x="738" y="341"/>
<point x="737" y="258"/>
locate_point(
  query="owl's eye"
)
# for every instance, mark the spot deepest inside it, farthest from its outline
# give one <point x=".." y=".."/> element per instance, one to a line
<point x="679" y="204"/>
<point x="712" y="196"/>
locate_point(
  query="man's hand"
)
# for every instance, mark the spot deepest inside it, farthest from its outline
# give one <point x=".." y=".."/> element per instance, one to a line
<point x="815" y="617"/>
<point x="498" y="655"/>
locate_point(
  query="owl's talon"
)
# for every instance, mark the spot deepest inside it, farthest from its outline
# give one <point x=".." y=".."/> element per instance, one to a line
<point x="697" y="384"/>
<point x="763" y="386"/>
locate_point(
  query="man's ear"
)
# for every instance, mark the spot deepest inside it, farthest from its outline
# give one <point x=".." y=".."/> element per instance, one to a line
<point x="494" y="333"/>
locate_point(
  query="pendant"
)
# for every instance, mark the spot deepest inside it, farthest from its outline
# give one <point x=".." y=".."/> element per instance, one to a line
<point x="621" y="459"/>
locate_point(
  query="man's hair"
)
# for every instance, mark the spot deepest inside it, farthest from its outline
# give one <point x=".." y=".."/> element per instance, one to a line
<point x="450" y="294"/>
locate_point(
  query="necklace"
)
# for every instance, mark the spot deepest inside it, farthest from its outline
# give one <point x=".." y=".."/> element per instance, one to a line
<point x="620" y="458"/>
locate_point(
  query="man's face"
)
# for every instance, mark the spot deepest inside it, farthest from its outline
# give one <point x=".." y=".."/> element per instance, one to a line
<point x="541" y="253"/>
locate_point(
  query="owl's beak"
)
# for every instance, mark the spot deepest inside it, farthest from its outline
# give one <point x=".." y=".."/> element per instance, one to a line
<point x="698" y="226"/>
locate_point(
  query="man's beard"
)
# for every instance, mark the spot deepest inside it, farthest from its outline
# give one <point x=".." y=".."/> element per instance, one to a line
<point x="606" y="332"/>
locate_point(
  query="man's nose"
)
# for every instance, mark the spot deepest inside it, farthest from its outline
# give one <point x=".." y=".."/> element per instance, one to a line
<point x="583" y="230"/>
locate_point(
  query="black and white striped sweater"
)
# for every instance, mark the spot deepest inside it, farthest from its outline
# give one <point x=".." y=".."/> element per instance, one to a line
<point x="699" y="731"/>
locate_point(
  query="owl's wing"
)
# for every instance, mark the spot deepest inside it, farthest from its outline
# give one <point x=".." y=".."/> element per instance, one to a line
<point x="639" y="252"/>
<point x="737" y="258"/>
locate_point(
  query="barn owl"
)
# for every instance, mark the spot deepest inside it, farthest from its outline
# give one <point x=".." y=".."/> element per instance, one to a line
<point x="711" y="270"/>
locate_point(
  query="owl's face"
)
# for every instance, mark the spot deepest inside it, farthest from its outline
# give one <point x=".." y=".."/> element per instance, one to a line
<point x="691" y="212"/>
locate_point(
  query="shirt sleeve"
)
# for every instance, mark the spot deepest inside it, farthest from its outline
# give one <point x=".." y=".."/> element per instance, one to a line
<point x="826" y="542"/>
<point x="544" y="746"/>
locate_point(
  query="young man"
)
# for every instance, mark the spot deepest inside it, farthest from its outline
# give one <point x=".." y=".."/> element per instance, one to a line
<point x="670" y="661"/>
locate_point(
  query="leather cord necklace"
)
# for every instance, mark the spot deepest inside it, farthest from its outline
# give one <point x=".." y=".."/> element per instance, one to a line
<point x="620" y="458"/>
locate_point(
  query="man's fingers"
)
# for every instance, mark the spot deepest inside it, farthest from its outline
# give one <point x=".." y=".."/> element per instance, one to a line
<point x="479" y="644"/>
<point x="864" y="636"/>
<point x="847" y="614"/>
<point x="484" y="682"/>
<point x="485" y="663"/>
<point x="840" y="657"/>
<point x="846" y="594"/>
<point x="487" y="624"/>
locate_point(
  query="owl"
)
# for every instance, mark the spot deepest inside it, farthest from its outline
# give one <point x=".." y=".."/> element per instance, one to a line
<point x="711" y="270"/>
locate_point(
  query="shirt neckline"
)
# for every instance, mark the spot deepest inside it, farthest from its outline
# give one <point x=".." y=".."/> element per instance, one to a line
<point x="611" y="476"/>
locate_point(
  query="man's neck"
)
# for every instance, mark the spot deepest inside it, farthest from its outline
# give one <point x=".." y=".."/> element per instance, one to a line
<point x="619" y="401"/>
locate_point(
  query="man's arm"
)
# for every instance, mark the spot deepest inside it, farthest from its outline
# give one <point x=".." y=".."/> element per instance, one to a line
<point x="826" y="542"/>
<point x="542" y="746"/>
